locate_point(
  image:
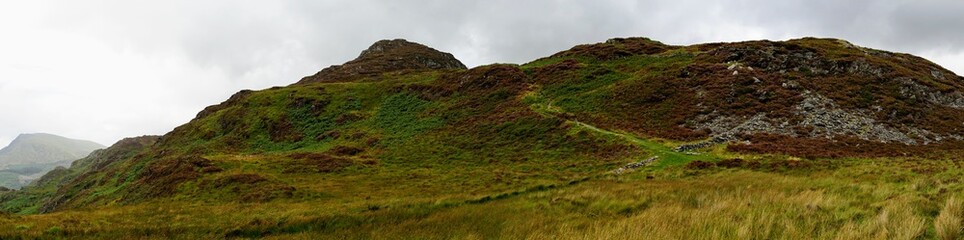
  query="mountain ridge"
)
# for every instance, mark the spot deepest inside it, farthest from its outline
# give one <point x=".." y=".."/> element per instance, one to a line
<point x="30" y="138"/>
<point x="391" y="114"/>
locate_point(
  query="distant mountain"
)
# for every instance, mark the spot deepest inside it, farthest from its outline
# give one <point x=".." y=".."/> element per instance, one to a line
<point x="29" y="156"/>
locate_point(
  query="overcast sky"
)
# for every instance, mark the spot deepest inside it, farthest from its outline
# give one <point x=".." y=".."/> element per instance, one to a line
<point x="104" y="70"/>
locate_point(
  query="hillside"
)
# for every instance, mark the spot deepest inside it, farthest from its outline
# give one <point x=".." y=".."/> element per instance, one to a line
<point x="406" y="139"/>
<point x="31" y="155"/>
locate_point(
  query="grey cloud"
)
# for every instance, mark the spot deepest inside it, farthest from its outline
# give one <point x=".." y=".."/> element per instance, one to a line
<point x="241" y="35"/>
<point x="920" y="25"/>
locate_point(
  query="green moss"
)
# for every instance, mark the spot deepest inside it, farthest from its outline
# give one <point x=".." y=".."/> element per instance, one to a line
<point x="403" y="116"/>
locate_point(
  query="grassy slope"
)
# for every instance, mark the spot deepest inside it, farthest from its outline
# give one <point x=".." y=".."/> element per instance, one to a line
<point x="850" y="199"/>
<point x="512" y="157"/>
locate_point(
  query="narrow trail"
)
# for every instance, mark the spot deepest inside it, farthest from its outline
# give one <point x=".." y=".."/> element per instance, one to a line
<point x="662" y="154"/>
<point x="667" y="155"/>
<point x="655" y="148"/>
<point x="658" y="154"/>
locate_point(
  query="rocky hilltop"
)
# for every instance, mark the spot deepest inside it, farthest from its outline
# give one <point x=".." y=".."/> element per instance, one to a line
<point x="388" y="56"/>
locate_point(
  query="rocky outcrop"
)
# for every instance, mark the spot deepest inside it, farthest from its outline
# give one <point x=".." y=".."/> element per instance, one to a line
<point x="913" y="90"/>
<point x="823" y="88"/>
<point x="723" y="138"/>
<point x="635" y="165"/>
<point x="827" y="120"/>
<point x="388" y="56"/>
<point x="817" y="117"/>
<point x="788" y="56"/>
<point x="617" y="48"/>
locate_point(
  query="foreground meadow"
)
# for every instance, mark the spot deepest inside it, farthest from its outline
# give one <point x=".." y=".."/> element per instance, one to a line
<point x="764" y="197"/>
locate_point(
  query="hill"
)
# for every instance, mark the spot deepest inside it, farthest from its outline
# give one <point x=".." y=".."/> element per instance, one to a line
<point x="31" y="155"/>
<point x="404" y="140"/>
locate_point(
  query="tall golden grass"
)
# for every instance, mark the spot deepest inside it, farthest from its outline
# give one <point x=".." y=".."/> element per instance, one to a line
<point x="869" y="200"/>
<point x="948" y="223"/>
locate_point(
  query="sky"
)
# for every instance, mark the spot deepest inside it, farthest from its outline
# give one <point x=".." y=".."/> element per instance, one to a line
<point x="109" y="69"/>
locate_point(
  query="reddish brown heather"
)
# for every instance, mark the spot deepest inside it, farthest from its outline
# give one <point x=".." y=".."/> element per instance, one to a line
<point x="388" y="56"/>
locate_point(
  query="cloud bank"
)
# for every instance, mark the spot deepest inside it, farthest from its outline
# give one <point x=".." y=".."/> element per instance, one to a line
<point x="103" y="70"/>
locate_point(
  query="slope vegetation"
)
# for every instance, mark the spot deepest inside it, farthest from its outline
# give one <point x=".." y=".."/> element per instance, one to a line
<point x="405" y="140"/>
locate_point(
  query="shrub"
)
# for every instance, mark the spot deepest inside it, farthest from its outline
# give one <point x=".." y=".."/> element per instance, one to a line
<point x="699" y="164"/>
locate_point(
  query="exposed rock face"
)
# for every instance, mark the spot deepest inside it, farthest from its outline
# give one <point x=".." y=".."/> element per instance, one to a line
<point x="818" y="116"/>
<point x="821" y="88"/>
<point x="827" y="120"/>
<point x="787" y="57"/>
<point x="388" y="56"/>
<point x="914" y="90"/>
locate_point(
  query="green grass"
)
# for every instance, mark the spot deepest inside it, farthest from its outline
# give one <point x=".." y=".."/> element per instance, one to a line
<point x="667" y="156"/>
<point x="401" y="116"/>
